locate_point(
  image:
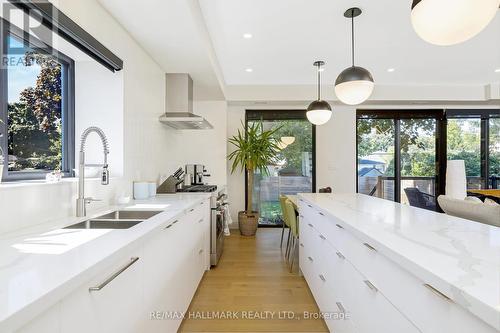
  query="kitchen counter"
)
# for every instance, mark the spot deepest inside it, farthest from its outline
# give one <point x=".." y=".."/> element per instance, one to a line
<point x="42" y="264"/>
<point x="456" y="255"/>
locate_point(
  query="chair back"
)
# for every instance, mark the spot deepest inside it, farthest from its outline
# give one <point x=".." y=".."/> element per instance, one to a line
<point x="283" y="199"/>
<point x="291" y="217"/>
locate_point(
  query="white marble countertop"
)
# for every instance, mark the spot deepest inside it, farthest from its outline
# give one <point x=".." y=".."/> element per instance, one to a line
<point x="456" y="255"/>
<point x="42" y="264"/>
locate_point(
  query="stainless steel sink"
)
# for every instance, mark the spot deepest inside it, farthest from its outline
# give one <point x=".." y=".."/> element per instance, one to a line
<point x="128" y="215"/>
<point x="120" y="219"/>
<point x="105" y="224"/>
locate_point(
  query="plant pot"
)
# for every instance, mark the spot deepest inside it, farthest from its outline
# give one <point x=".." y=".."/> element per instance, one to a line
<point x="248" y="223"/>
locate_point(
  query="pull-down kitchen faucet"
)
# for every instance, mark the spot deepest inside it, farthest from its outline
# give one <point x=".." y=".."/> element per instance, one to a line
<point x="81" y="201"/>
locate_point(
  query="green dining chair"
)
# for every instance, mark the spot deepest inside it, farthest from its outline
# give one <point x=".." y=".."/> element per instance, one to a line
<point x="285" y="223"/>
<point x="291" y="218"/>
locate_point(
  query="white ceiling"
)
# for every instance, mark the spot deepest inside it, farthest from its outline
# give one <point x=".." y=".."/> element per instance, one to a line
<point x="288" y="35"/>
<point x="168" y="30"/>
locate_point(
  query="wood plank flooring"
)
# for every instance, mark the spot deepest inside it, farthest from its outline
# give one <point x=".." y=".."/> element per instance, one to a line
<point x="252" y="278"/>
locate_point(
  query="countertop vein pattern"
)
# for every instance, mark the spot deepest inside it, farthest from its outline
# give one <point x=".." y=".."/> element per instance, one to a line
<point x="42" y="264"/>
<point x="458" y="256"/>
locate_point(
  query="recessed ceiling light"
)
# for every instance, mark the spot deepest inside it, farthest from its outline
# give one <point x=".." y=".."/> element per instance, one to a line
<point x="390" y="70"/>
<point x="497" y="70"/>
<point x="247" y="36"/>
<point x="249" y="70"/>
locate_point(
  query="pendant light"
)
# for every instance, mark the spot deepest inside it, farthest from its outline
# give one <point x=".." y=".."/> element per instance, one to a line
<point x="449" y="22"/>
<point x="319" y="111"/>
<point x="355" y="84"/>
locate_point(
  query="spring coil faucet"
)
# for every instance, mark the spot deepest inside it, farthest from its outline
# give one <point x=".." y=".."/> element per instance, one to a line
<point x="81" y="201"/>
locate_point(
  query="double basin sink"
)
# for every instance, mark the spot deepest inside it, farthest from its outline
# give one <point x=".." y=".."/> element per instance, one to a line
<point x="120" y="219"/>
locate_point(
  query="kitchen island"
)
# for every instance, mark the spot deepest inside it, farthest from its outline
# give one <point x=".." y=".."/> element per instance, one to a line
<point x="384" y="266"/>
<point x="59" y="279"/>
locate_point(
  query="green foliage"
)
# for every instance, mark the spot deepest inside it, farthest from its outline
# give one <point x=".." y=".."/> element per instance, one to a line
<point x="255" y="148"/>
<point x="292" y="154"/>
<point x="34" y="123"/>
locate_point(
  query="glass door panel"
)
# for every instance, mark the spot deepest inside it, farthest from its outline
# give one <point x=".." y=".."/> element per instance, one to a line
<point x="418" y="162"/>
<point x="291" y="175"/>
<point x="464" y="143"/>
<point x="494" y="153"/>
<point x="376" y="157"/>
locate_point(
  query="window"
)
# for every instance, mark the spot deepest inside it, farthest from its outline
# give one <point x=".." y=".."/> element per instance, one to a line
<point x="37" y="109"/>
<point x="295" y="171"/>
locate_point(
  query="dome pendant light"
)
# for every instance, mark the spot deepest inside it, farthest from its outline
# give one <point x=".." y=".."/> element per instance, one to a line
<point x="449" y="22"/>
<point x="355" y="84"/>
<point x="319" y="111"/>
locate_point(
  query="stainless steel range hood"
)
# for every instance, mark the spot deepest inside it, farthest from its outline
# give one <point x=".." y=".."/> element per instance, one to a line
<point x="179" y="104"/>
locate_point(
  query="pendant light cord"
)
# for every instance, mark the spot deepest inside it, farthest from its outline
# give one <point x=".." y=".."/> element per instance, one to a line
<point x="319" y="82"/>
<point x="352" y="36"/>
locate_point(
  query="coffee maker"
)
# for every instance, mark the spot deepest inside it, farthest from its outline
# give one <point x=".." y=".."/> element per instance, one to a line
<point x="195" y="174"/>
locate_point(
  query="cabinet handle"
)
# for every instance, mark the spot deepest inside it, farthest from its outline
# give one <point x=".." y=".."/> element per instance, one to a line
<point x="309" y="206"/>
<point x="301" y="216"/>
<point x="201" y="220"/>
<point x="301" y="244"/>
<point x="201" y="251"/>
<point x="322" y="277"/>
<point x="320" y="213"/>
<point x="322" y="237"/>
<point x="310" y="259"/>
<point x="341" y="307"/>
<point x="132" y="261"/>
<point x="437" y="292"/>
<point x="370" y="247"/>
<point x="175" y="221"/>
<point x="191" y="210"/>
<point x="370" y="285"/>
<point x="340" y="255"/>
<point x="309" y="224"/>
<point x="339" y="226"/>
<point x="168" y="226"/>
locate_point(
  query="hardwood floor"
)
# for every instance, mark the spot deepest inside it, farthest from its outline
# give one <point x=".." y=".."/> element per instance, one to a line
<point x="252" y="278"/>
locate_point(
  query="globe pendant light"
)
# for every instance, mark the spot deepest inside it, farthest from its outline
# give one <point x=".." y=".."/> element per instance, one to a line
<point x="448" y="22"/>
<point x="319" y="111"/>
<point x="355" y="84"/>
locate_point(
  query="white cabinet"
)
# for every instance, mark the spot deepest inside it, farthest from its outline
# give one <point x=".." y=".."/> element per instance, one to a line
<point x="110" y="302"/>
<point x="348" y="274"/>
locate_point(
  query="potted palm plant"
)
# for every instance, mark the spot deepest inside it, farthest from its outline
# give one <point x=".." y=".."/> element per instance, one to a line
<point x="255" y="149"/>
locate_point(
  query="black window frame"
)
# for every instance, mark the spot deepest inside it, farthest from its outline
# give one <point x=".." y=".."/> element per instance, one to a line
<point x="67" y="107"/>
<point x="287" y="114"/>
<point x="441" y="116"/>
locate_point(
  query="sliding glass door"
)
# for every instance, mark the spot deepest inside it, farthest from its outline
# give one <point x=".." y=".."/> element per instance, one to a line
<point x="294" y="172"/>
<point x="397" y="156"/>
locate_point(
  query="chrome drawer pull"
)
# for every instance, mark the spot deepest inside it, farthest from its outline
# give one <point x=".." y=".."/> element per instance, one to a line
<point x="322" y="237"/>
<point x="437" y="292"/>
<point x="340" y="255"/>
<point x="322" y="277"/>
<point x="370" y="285"/>
<point x="168" y="226"/>
<point x="309" y="206"/>
<point x="201" y="220"/>
<point x="175" y="221"/>
<point x="301" y="216"/>
<point x="339" y="226"/>
<point x="191" y="210"/>
<point x="112" y="277"/>
<point x="201" y="251"/>
<point x="310" y="259"/>
<point x="309" y="224"/>
<point x="341" y="307"/>
<point x="370" y="247"/>
<point x="301" y="244"/>
<point x="320" y="213"/>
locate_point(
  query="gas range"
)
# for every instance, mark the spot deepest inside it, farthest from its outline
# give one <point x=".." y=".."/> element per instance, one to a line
<point x="198" y="188"/>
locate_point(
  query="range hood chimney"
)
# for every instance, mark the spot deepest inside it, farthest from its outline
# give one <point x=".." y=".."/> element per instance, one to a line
<point x="179" y="104"/>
